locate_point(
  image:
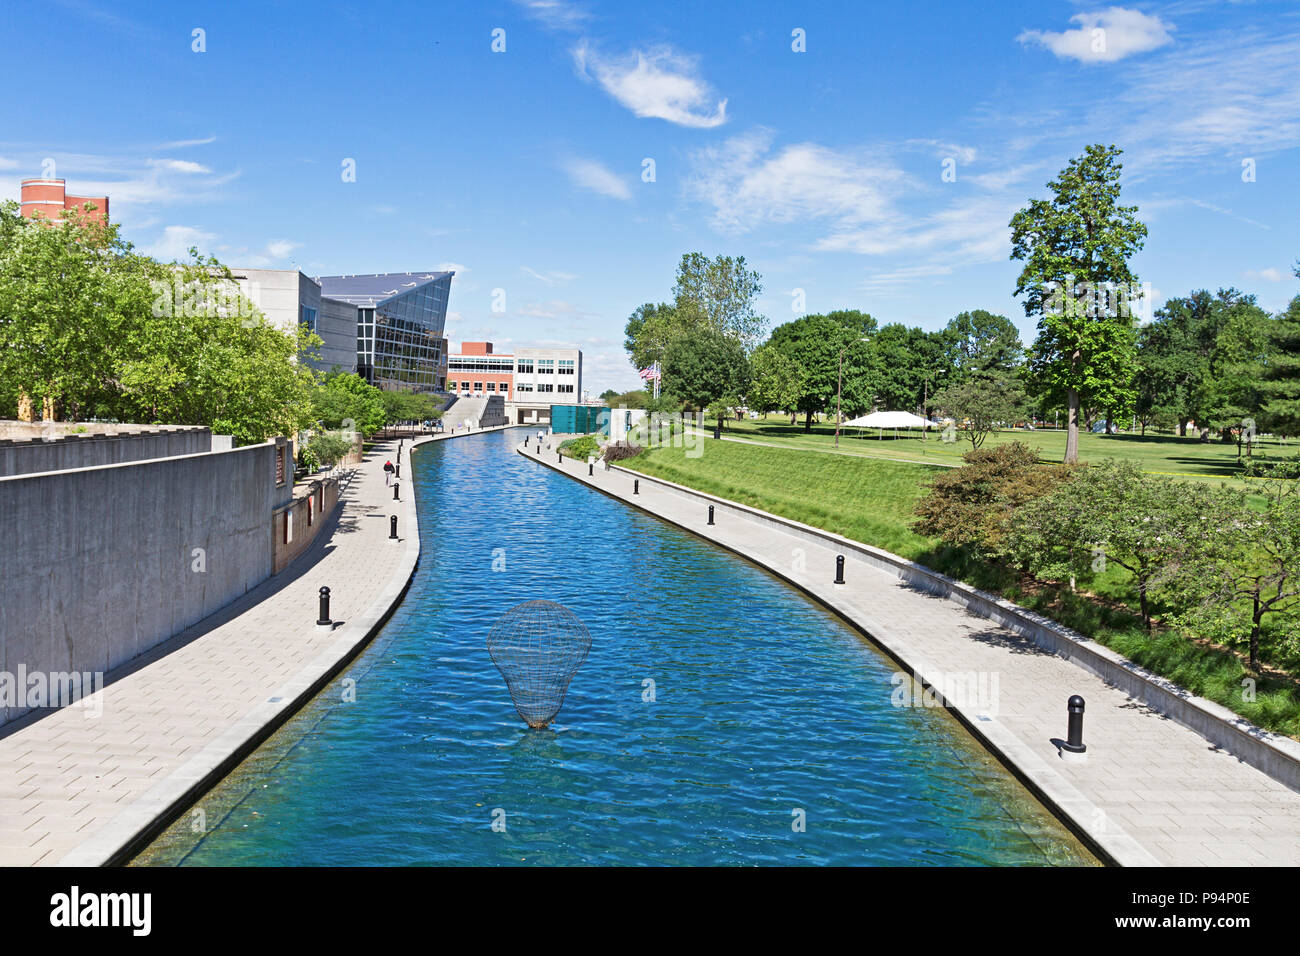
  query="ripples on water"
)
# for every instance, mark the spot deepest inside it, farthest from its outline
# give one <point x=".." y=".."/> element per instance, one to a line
<point x="765" y="703"/>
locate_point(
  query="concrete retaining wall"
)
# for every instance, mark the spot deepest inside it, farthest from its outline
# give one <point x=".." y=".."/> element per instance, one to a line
<point x="1274" y="754"/>
<point x="296" y="524"/>
<point x="24" y="456"/>
<point x="98" y="565"/>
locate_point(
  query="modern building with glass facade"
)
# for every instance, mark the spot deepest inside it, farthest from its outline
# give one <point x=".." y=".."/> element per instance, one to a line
<point x="400" y="320"/>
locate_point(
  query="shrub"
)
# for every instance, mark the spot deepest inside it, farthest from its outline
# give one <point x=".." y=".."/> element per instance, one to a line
<point x="1153" y="527"/>
<point x="1260" y="466"/>
<point x="622" y="450"/>
<point x="580" y="448"/>
<point x="329" y="448"/>
<point x="971" y="505"/>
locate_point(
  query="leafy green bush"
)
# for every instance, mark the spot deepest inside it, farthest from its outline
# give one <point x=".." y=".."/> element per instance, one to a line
<point x="329" y="448"/>
<point x="580" y="448"/>
<point x="970" y="505"/>
<point x="1260" y="466"/>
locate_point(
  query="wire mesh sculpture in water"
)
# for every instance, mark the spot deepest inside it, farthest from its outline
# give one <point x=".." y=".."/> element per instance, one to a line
<point x="538" y="646"/>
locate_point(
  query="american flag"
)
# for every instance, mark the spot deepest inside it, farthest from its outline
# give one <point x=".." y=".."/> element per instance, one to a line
<point x="651" y="373"/>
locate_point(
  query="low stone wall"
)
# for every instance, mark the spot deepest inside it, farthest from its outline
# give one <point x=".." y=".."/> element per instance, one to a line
<point x="24" y="455"/>
<point x="1273" y="754"/>
<point x="99" y="565"/>
<point x="296" y="524"/>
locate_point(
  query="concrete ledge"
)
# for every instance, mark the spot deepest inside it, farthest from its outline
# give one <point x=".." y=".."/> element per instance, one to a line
<point x="1273" y="754"/>
<point x="140" y="823"/>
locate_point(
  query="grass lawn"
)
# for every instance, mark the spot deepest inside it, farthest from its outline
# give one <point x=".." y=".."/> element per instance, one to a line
<point x="1158" y="454"/>
<point x="871" y="500"/>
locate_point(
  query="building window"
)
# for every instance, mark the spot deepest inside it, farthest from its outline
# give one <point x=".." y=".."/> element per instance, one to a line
<point x="523" y="387"/>
<point x="564" y="388"/>
<point x="545" y="387"/>
<point x="566" y="367"/>
<point x="491" y="386"/>
<point x="307" y="317"/>
<point x="478" y="386"/>
<point x="451" y="386"/>
<point x="524" y="365"/>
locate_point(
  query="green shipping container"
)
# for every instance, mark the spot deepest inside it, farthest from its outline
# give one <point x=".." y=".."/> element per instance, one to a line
<point x="579" y="419"/>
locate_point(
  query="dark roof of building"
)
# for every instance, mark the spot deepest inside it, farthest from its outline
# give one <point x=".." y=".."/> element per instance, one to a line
<point x="370" y="290"/>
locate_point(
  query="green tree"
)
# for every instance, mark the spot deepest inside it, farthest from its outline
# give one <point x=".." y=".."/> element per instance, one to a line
<point x="983" y="402"/>
<point x="705" y="368"/>
<point x="1228" y="394"/>
<point x="649" y="331"/>
<point x="721" y="293"/>
<point x="1280" y="384"/>
<point x="908" y="366"/>
<point x="401" y="405"/>
<point x="971" y="506"/>
<point x="1112" y="512"/>
<point x="982" y="343"/>
<point x="1252" y="569"/>
<point x="1076" y="248"/>
<point x="69" y="296"/>
<point x="778" y="381"/>
<point x="345" y="398"/>
<point x="815" y="344"/>
<point x="328" y="448"/>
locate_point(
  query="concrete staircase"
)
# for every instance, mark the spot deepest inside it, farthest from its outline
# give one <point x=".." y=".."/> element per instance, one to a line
<point x="477" y="412"/>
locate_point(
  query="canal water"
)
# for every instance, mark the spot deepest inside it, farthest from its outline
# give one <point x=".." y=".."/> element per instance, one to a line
<point x="767" y="735"/>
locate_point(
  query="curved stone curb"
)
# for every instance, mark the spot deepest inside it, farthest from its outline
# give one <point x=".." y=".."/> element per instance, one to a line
<point x="132" y="829"/>
<point x="1080" y="813"/>
<point x="1271" y="753"/>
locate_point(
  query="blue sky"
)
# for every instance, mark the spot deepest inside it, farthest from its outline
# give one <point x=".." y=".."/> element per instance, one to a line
<point x="523" y="169"/>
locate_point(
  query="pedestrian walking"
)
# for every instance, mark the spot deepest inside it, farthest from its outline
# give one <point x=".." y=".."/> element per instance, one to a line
<point x="388" y="473"/>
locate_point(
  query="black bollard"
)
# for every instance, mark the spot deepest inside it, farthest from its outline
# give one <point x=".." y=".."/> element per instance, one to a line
<point x="839" y="569"/>
<point x="397" y="470"/>
<point x="710" y="514"/>
<point x="591" y="470"/>
<point x="636" y="486"/>
<point x="324" y="619"/>
<point x="525" y="441"/>
<point x="392" y="527"/>
<point x="559" y="459"/>
<point x="1075" y="734"/>
<point x="395" y="498"/>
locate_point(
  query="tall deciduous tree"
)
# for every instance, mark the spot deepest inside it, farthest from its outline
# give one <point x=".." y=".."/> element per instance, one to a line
<point x="982" y="343"/>
<point x="1076" y="246"/>
<point x="1281" y="380"/>
<point x="721" y="293"/>
<point x="778" y="381"/>
<point x="816" y="344"/>
<point x="705" y="368"/>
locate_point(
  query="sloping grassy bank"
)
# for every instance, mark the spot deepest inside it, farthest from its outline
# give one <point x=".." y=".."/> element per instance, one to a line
<point x="872" y="501"/>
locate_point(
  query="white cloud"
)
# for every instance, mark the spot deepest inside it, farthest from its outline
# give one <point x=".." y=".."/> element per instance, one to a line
<point x="590" y="174"/>
<point x="556" y="14"/>
<point x="656" y="83"/>
<point x="856" y="201"/>
<point x="747" y="184"/>
<point x="1104" y="36"/>
<point x="175" y="243"/>
<point x="179" y="165"/>
<point x="963" y="154"/>
<point x="280" y="248"/>
<point x="186" y="143"/>
<point x="1268" y="275"/>
<point x="550" y="278"/>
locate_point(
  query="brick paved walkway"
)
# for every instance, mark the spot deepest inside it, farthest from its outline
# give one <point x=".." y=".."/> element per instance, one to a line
<point x="75" y="789"/>
<point x="1150" y="791"/>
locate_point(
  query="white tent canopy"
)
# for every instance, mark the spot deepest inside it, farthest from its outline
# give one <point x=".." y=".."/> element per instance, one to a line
<point x="890" y="420"/>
